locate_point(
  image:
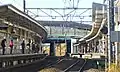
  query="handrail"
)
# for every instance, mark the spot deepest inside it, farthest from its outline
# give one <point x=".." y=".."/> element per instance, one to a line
<point x="95" y="27"/>
<point x="93" y="32"/>
<point x="102" y="24"/>
<point x="89" y="33"/>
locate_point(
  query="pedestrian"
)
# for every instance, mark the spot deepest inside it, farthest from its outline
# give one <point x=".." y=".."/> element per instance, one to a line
<point x="3" y="46"/>
<point x="28" y="45"/>
<point x="11" y="46"/>
<point x="37" y="48"/>
<point x="23" y="47"/>
<point x="33" y="47"/>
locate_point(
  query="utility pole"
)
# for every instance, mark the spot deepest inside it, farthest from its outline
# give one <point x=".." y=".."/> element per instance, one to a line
<point x="110" y="28"/>
<point x="24" y="5"/>
<point x="109" y="31"/>
<point x="112" y="14"/>
<point x="104" y="10"/>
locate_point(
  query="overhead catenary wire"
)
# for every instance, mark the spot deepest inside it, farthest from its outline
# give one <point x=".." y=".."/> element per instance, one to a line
<point x="77" y="3"/>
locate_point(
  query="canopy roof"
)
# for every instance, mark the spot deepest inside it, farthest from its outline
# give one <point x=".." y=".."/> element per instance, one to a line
<point x="15" y="16"/>
<point x="97" y="25"/>
<point x="66" y="24"/>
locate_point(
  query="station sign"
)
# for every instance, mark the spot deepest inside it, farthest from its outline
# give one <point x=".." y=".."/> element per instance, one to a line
<point x="115" y="36"/>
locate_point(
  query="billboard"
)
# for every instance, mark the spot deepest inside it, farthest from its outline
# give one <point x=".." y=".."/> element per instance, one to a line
<point x="115" y="36"/>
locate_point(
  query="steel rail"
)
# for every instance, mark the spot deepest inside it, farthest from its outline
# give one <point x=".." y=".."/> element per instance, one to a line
<point x="51" y="64"/>
<point x="67" y="69"/>
<point x="81" y="68"/>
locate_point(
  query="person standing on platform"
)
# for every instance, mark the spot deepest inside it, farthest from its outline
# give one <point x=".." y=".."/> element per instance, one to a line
<point x="33" y="47"/>
<point x="28" y="45"/>
<point x="23" y="47"/>
<point x="11" y="46"/>
<point x="37" y="48"/>
<point x="3" y="46"/>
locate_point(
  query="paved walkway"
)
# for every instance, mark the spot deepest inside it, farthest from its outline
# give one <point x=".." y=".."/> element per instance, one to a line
<point x="15" y="51"/>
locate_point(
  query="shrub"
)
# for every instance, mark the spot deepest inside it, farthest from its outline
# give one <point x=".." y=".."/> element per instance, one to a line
<point x="114" y="68"/>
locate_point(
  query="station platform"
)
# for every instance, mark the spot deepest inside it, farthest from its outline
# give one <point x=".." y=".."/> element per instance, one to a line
<point x="89" y="55"/>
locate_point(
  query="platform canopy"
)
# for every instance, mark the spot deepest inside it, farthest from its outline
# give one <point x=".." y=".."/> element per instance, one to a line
<point x="98" y="20"/>
<point x="15" y="16"/>
<point x="66" y="24"/>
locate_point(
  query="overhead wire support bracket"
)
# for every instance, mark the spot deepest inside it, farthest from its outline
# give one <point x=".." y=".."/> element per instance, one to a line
<point x="59" y="8"/>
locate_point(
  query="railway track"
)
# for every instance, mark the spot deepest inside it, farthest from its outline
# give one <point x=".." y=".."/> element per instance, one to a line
<point x="60" y="63"/>
<point x="77" y="66"/>
<point x="32" y="67"/>
<point x="49" y="61"/>
<point x="53" y="63"/>
<point x="67" y="65"/>
<point x="72" y="64"/>
<point x="64" y="64"/>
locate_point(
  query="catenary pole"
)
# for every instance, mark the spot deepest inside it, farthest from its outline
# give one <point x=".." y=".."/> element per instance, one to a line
<point x="110" y="28"/>
<point x="104" y="10"/>
<point x="109" y="31"/>
<point x="24" y="5"/>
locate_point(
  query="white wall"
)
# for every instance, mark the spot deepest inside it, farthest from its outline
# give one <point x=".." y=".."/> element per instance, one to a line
<point x="72" y="41"/>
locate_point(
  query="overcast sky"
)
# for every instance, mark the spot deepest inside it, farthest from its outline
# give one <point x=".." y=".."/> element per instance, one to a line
<point x="53" y="4"/>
